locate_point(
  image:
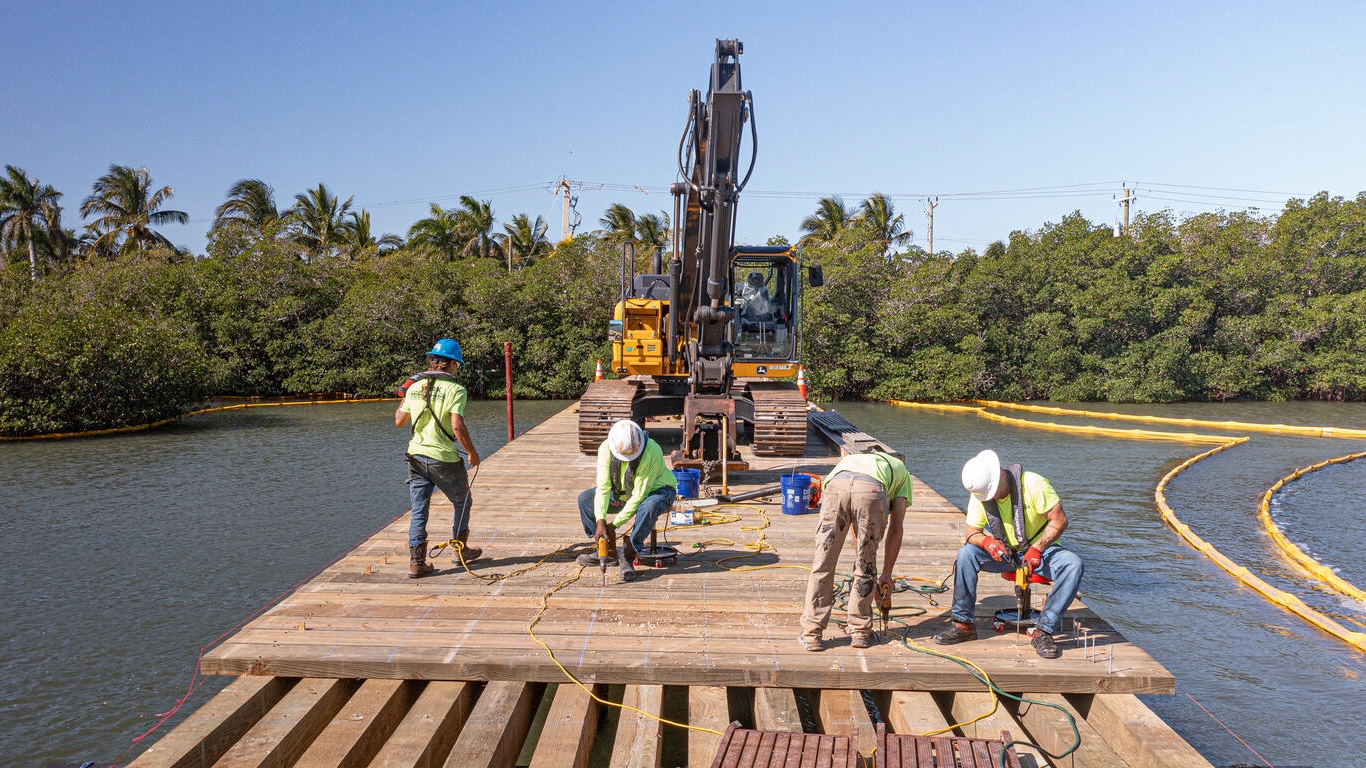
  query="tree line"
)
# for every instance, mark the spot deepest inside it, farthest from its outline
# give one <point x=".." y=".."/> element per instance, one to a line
<point x="117" y="326"/>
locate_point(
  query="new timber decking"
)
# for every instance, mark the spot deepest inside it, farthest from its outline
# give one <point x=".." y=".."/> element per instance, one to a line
<point x="444" y="670"/>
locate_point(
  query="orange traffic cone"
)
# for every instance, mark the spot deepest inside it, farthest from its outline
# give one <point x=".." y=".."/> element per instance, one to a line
<point x="598" y="375"/>
<point x="801" y="381"/>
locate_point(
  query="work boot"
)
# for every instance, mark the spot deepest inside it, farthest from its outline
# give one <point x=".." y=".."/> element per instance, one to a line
<point x="417" y="562"/>
<point x="1043" y="644"/>
<point x="958" y="632"/>
<point x="864" y="640"/>
<point x="627" y="571"/>
<point x="471" y="553"/>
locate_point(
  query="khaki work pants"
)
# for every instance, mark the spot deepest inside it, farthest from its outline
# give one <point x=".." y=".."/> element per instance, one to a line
<point x="849" y="500"/>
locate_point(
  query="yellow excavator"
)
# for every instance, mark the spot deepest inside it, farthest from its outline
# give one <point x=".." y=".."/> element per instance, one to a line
<point x="716" y="336"/>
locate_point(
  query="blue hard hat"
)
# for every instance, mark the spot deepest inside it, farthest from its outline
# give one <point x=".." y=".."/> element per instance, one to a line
<point x="447" y="348"/>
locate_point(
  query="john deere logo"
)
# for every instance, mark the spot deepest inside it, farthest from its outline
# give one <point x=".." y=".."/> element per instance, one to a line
<point x="762" y="370"/>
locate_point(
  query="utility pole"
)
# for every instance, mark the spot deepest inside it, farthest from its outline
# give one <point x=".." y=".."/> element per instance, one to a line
<point x="1124" y="203"/>
<point x="930" y="205"/>
<point x="563" y="190"/>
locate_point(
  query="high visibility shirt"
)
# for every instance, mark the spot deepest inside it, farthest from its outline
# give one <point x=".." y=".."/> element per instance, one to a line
<point x="1038" y="497"/>
<point x="428" y="439"/>
<point x="885" y="468"/>
<point x="651" y="474"/>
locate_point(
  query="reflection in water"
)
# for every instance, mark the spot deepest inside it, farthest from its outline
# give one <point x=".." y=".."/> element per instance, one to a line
<point x="126" y="555"/>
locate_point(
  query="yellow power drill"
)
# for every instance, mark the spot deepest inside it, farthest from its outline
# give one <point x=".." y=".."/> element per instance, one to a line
<point x="884" y="604"/>
<point x="602" y="558"/>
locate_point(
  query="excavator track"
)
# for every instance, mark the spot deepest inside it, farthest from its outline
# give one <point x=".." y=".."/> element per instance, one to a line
<point x="779" y="418"/>
<point x="603" y="404"/>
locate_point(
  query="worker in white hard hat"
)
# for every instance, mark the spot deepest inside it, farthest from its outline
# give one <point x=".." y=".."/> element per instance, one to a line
<point x="1014" y="518"/>
<point x="634" y="483"/>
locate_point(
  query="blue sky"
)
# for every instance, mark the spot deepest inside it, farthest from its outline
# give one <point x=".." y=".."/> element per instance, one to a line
<point x="1013" y="114"/>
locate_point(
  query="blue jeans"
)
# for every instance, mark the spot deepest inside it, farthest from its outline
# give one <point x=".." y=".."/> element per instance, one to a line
<point x="1060" y="565"/>
<point x="424" y="474"/>
<point x="657" y="503"/>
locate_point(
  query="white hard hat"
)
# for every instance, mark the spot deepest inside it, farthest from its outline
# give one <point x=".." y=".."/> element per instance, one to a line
<point x="626" y="440"/>
<point x="982" y="475"/>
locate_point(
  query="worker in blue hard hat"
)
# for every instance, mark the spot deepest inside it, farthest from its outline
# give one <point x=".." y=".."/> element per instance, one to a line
<point x="1014" y="521"/>
<point x="434" y="405"/>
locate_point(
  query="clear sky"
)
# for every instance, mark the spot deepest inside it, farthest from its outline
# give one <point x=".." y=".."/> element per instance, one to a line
<point x="1013" y="114"/>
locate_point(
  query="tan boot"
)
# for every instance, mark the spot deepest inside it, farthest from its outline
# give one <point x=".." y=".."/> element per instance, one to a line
<point x="417" y="562"/>
<point x="470" y="553"/>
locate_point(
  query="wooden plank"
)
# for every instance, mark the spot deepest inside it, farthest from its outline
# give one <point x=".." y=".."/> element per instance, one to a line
<point x="1050" y="729"/>
<point x="843" y="713"/>
<point x="496" y="727"/>
<point x="280" y="737"/>
<point x="775" y="709"/>
<point x="203" y="737"/>
<point x="430" y="727"/>
<point x="707" y="708"/>
<point x="1132" y="729"/>
<point x="639" y="736"/>
<point x="362" y="726"/>
<point x="567" y="735"/>
<point x="915" y="712"/>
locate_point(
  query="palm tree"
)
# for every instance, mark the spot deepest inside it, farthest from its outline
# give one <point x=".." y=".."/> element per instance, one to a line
<point x="359" y="237"/>
<point x="620" y="223"/>
<point x="474" y="225"/>
<point x="830" y="219"/>
<point x="652" y="232"/>
<point x="250" y="203"/>
<point x="319" y="220"/>
<point x="878" y="216"/>
<point x="524" y="240"/>
<point x="28" y="209"/>
<point x="438" y="234"/>
<point x="128" y="207"/>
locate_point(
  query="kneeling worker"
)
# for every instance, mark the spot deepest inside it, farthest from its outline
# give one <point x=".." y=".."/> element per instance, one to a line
<point x="634" y="482"/>
<point x="1014" y="518"/>
<point x="868" y="492"/>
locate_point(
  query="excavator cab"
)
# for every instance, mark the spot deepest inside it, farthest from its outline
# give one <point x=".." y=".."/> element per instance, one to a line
<point x="764" y="290"/>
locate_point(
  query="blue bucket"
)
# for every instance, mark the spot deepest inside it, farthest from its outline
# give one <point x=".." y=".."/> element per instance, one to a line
<point x="796" y="494"/>
<point x="687" y="482"/>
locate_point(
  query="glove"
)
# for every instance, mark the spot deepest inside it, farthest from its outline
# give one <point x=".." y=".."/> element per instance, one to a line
<point x="1033" y="558"/>
<point x="994" y="547"/>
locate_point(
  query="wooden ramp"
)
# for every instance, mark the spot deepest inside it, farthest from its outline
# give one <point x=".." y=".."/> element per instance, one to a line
<point x="445" y="670"/>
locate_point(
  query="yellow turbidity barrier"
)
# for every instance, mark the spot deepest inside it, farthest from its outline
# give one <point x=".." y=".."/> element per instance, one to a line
<point x="200" y="412"/>
<point x="1315" y="568"/>
<point x="1232" y="426"/>
<point x="1285" y="600"/>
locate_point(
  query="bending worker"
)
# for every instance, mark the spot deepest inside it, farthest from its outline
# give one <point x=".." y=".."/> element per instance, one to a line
<point x="868" y="492"/>
<point x="636" y="485"/>
<point x="1014" y="519"/>
<point x="431" y="401"/>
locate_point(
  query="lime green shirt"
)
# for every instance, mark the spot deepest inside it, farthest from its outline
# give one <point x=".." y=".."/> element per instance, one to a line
<point x="428" y="439"/>
<point x="1038" y="498"/>
<point x="888" y="470"/>
<point x="651" y="475"/>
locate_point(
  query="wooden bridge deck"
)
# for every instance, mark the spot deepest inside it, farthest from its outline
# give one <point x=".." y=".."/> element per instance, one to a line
<point x="444" y="670"/>
<point x="695" y="623"/>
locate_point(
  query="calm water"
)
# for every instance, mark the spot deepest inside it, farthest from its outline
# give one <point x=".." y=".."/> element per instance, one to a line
<point x="127" y="555"/>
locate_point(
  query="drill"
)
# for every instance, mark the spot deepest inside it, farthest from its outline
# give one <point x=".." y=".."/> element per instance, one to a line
<point x="884" y="604"/>
<point x="602" y="558"/>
